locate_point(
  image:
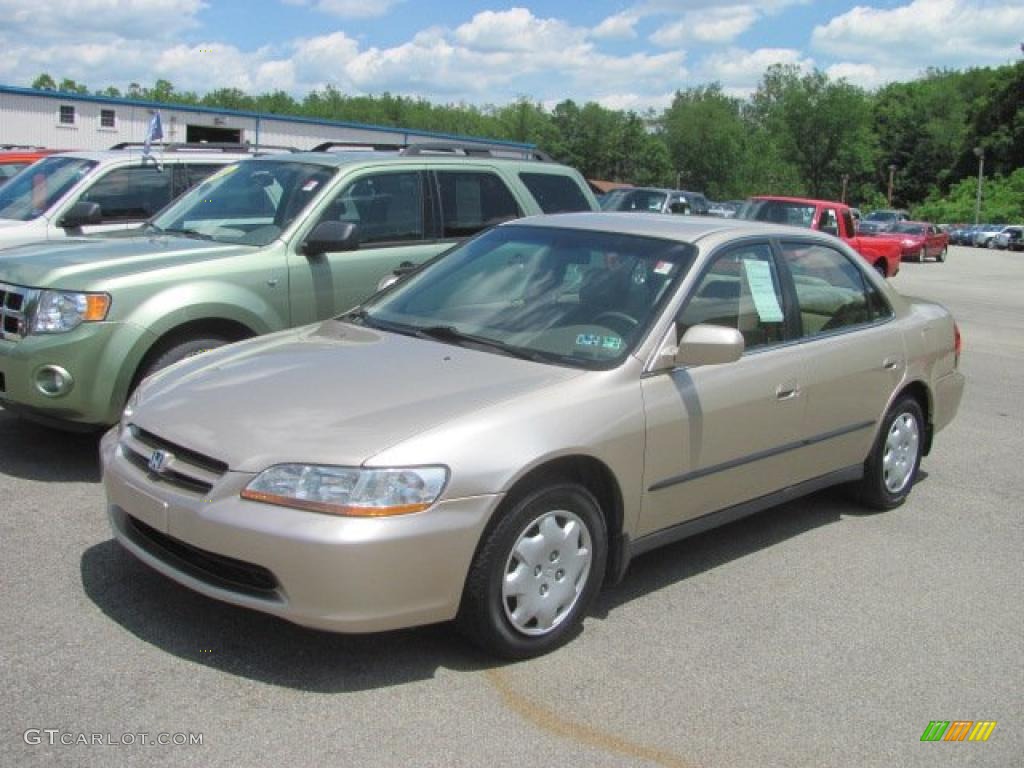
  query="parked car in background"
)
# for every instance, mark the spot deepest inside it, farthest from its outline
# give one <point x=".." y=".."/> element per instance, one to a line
<point x="919" y="240"/>
<point x="14" y="160"/>
<point x="263" y="245"/>
<point x="647" y="200"/>
<point x="725" y="209"/>
<point x="883" y="220"/>
<point x="1011" y="238"/>
<point x="827" y="216"/>
<point x="985" y="235"/>
<point x="649" y="377"/>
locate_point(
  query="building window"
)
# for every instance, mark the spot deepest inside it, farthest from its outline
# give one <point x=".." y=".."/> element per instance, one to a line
<point x="67" y="114"/>
<point x="108" y="119"/>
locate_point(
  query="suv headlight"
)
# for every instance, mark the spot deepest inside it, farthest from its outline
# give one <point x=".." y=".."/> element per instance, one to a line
<point x="348" y="491"/>
<point x="62" y="311"/>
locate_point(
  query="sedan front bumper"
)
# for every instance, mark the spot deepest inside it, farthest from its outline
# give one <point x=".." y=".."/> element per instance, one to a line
<point x="335" y="573"/>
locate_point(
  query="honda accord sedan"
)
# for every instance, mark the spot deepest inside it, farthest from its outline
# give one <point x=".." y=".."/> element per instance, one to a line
<point x="494" y="438"/>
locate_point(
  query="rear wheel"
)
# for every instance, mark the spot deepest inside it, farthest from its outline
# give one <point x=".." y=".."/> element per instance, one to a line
<point x="891" y="468"/>
<point x="536" y="573"/>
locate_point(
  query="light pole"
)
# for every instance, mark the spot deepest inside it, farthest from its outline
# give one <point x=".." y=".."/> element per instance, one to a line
<point x="679" y="179"/>
<point x="981" y="174"/>
<point x="846" y="180"/>
<point x="892" y="170"/>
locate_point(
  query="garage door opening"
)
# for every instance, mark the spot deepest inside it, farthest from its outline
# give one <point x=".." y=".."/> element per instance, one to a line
<point x="197" y="133"/>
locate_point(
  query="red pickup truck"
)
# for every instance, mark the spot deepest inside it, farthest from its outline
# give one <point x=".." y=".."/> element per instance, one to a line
<point x="827" y="216"/>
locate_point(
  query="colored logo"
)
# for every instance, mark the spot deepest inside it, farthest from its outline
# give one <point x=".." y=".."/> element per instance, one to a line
<point x="958" y="730"/>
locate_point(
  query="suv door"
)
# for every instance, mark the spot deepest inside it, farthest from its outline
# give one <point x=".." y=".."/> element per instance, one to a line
<point x="719" y="435"/>
<point x="392" y="211"/>
<point x="127" y="196"/>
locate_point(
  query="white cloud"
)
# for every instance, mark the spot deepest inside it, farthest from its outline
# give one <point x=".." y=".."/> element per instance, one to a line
<point x="717" y="25"/>
<point x="517" y="30"/>
<point x="349" y="9"/>
<point x="865" y="75"/>
<point x="620" y="26"/>
<point x="107" y="19"/>
<point x="740" y="70"/>
<point x="924" y="33"/>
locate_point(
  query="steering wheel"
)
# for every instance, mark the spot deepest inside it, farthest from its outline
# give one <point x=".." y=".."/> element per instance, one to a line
<point x="620" y="321"/>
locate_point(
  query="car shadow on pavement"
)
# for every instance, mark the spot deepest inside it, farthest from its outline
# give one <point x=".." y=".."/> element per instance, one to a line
<point x="677" y="562"/>
<point x="34" y="452"/>
<point x="253" y="645"/>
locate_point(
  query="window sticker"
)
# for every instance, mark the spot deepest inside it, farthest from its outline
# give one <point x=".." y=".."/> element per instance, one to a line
<point x="762" y="290"/>
<point x="310" y="185"/>
<point x="612" y="343"/>
<point x="663" y="268"/>
<point x="588" y="340"/>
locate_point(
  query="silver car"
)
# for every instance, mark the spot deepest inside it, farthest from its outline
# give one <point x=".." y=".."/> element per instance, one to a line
<point x="496" y="437"/>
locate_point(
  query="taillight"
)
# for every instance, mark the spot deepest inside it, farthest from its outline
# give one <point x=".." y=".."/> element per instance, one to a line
<point x="957" y="345"/>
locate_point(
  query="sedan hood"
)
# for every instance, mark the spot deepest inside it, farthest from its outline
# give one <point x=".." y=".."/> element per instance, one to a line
<point x="82" y="264"/>
<point x="330" y="394"/>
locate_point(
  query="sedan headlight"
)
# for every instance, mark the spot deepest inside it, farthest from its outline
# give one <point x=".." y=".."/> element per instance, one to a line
<point x="348" y="491"/>
<point x="62" y="311"/>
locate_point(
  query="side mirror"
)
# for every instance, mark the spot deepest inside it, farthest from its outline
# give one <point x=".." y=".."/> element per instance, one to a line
<point x="709" y="345"/>
<point x="331" y="237"/>
<point x="80" y="214"/>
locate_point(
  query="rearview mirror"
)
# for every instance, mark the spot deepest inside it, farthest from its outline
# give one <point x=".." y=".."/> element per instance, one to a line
<point x="81" y="214"/>
<point x="331" y="237"/>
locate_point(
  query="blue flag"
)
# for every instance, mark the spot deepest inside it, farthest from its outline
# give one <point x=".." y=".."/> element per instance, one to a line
<point x="155" y="133"/>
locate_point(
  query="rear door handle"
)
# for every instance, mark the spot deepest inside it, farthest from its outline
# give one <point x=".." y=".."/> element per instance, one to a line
<point x="787" y="391"/>
<point x="892" y="363"/>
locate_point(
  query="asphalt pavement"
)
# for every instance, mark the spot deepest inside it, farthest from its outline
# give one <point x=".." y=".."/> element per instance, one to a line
<point x="813" y="634"/>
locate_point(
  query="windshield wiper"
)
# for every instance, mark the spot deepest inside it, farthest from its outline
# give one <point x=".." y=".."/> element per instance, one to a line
<point x="453" y="334"/>
<point x="188" y="233"/>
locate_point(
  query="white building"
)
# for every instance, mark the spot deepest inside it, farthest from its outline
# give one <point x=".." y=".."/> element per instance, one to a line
<point x="60" y="120"/>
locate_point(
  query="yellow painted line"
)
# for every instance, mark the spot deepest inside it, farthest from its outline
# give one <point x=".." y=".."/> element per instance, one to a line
<point x="553" y="723"/>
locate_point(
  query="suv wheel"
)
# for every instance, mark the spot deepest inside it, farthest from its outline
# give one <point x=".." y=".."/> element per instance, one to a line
<point x="180" y="350"/>
<point x="536" y="573"/>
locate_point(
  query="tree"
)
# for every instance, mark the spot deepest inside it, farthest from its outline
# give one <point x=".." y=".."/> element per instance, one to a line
<point x="44" y="83"/>
<point x="67" y="85"/>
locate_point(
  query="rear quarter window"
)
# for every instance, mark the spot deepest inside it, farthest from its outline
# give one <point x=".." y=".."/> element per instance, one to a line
<point x="555" y="193"/>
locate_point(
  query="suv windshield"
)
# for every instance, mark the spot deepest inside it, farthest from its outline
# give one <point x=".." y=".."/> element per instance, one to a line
<point x="249" y="203"/>
<point x="565" y="296"/>
<point x="634" y="200"/>
<point x="34" y="191"/>
<point x="778" y="212"/>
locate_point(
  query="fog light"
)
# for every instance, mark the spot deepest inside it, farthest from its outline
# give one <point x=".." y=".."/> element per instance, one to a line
<point x="54" y="381"/>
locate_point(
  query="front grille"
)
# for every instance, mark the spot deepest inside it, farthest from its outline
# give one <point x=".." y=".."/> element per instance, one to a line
<point x="180" y="467"/>
<point x="217" y="570"/>
<point x="13" y="301"/>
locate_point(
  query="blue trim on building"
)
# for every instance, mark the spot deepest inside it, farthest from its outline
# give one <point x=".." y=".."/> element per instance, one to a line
<point x="255" y="115"/>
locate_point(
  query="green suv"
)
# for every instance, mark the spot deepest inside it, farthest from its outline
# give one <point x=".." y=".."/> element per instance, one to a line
<point x="260" y="246"/>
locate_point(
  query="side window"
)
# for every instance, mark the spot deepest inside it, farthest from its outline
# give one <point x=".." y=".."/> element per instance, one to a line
<point x="828" y="222"/>
<point x="131" y="194"/>
<point x="190" y="174"/>
<point x="832" y="292"/>
<point x="472" y="201"/>
<point x="555" y="193"/>
<point x="388" y="207"/>
<point x="740" y="289"/>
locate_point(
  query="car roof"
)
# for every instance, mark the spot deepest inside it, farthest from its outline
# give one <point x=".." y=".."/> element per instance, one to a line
<point x="688" y="229"/>
<point x="802" y="200"/>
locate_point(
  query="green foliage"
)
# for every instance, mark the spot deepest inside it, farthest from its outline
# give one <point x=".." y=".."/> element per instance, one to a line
<point x="800" y="133"/>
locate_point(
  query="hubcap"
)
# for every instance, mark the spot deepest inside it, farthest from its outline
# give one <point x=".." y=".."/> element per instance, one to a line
<point x="900" y="458"/>
<point x="546" y="572"/>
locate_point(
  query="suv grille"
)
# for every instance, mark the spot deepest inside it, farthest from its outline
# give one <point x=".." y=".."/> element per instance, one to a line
<point x="13" y="300"/>
<point x="170" y="463"/>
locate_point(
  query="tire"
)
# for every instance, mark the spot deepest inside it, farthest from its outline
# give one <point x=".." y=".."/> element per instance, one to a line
<point x="921" y="255"/>
<point x="942" y="254"/>
<point x="535" y="573"/>
<point x="990" y="243"/>
<point x="179" y="350"/>
<point x="891" y="467"/>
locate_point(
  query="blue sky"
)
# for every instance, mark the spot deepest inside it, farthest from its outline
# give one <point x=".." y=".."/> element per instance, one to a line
<point x="622" y="53"/>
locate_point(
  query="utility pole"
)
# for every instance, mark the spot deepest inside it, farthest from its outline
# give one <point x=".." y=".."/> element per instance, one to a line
<point x="846" y="180"/>
<point x="892" y="170"/>
<point x="981" y="174"/>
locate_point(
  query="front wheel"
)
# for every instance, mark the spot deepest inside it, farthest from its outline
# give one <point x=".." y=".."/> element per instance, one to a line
<point x="180" y="350"/>
<point x="536" y="573"/>
<point x="891" y="467"/>
<point x="942" y="254"/>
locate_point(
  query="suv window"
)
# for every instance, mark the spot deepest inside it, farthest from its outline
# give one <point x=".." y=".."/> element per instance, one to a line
<point x="472" y="201"/>
<point x="832" y="292"/>
<point x="131" y="194"/>
<point x="555" y="193"/>
<point x="388" y="207"/>
<point x="741" y="289"/>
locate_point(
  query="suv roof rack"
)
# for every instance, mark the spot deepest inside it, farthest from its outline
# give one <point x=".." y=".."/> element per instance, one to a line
<point x="207" y="146"/>
<point x="463" y="149"/>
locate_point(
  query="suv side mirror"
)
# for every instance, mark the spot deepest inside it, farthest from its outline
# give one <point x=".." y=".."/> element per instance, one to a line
<point x="81" y="214"/>
<point x="331" y="237"/>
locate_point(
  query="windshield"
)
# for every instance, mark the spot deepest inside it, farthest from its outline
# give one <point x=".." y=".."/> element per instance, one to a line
<point x="909" y="229"/>
<point x="564" y="296"/>
<point x="778" y="212"/>
<point x="882" y="216"/>
<point x="33" y="191"/>
<point x="634" y="200"/>
<point x="249" y="203"/>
